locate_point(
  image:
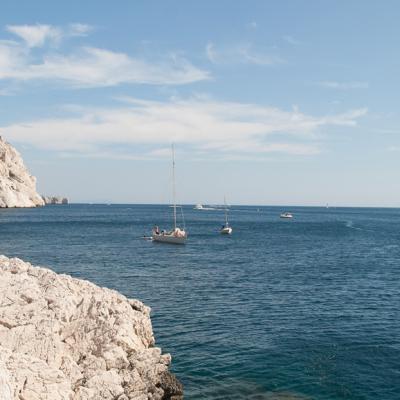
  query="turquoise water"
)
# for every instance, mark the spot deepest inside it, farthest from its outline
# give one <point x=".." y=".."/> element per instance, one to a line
<point x="283" y="309"/>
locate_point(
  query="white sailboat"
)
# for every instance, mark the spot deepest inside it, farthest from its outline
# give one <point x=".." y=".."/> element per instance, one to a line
<point x="226" y="229"/>
<point x="176" y="235"/>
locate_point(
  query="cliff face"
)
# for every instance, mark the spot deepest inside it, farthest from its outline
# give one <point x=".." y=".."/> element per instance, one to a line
<point x="63" y="338"/>
<point x="54" y="200"/>
<point x="17" y="186"/>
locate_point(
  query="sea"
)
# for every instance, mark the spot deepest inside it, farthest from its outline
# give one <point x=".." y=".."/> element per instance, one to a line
<point x="307" y="308"/>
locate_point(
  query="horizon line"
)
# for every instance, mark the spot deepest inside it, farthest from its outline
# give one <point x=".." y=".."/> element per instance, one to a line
<point x="230" y="205"/>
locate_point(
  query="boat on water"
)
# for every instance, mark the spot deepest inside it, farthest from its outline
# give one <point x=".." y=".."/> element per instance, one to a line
<point x="226" y="228"/>
<point x="201" y="207"/>
<point x="286" y="215"/>
<point x="176" y="235"/>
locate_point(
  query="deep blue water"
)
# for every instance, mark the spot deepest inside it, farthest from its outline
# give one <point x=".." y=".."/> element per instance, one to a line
<point x="307" y="308"/>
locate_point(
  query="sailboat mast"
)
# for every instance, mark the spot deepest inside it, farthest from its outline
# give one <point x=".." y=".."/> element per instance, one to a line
<point x="173" y="184"/>
<point x="226" y="212"/>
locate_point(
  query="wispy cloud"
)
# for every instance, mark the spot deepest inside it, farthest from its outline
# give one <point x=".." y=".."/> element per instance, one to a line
<point x="86" y="66"/>
<point x="203" y="125"/>
<point x="40" y="34"/>
<point x="36" y="35"/>
<point x="79" y="29"/>
<point x="343" y="85"/>
<point x="93" y="67"/>
<point x="291" y="40"/>
<point x="253" y="56"/>
<point x="11" y="55"/>
<point x="242" y="53"/>
<point x="211" y="53"/>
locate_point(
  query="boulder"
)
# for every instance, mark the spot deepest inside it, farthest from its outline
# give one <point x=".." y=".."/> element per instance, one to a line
<point x="67" y="339"/>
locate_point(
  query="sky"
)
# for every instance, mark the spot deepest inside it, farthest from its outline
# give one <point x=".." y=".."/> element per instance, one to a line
<point x="267" y="102"/>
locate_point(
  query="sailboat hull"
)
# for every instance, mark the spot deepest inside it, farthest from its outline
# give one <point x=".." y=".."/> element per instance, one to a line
<point x="226" y="231"/>
<point x="169" y="239"/>
<point x="177" y="236"/>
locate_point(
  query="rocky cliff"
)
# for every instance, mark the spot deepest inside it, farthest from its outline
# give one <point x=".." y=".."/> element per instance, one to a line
<point x="54" y="200"/>
<point x="64" y="338"/>
<point x="17" y="186"/>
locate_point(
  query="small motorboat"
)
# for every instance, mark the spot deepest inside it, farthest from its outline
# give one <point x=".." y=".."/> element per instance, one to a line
<point x="286" y="215"/>
<point x="202" y="208"/>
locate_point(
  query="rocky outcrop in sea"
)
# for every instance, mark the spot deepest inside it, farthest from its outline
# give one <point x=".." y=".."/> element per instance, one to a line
<point x="17" y="185"/>
<point x="54" y="200"/>
<point x="67" y="339"/>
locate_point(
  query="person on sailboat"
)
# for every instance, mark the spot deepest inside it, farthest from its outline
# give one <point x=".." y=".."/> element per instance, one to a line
<point x="156" y="230"/>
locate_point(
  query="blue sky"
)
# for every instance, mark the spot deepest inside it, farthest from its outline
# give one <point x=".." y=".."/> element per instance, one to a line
<point x="268" y="102"/>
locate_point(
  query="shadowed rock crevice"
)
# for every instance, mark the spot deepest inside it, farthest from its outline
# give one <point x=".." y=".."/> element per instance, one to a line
<point x="172" y="388"/>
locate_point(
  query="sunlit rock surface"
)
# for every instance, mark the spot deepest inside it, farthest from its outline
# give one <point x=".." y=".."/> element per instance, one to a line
<point x="55" y="200"/>
<point x="17" y="185"/>
<point x="65" y="338"/>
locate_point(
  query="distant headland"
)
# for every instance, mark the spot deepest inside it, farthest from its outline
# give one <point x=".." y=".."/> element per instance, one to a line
<point x="54" y="200"/>
<point x="17" y="185"/>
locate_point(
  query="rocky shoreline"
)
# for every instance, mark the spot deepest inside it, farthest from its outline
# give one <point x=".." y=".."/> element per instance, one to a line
<point x="63" y="338"/>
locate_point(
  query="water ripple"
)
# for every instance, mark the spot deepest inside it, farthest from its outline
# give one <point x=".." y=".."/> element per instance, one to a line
<point x="308" y="309"/>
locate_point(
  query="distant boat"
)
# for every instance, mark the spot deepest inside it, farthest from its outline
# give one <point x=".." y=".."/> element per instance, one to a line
<point x="201" y="207"/>
<point x="176" y="235"/>
<point x="226" y="229"/>
<point x="286" y="215"/>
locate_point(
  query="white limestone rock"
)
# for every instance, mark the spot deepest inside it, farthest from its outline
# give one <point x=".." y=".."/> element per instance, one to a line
<point x="54" y="200"/>
<point x="17" y="185"/>
<point x="67" y="339"/>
